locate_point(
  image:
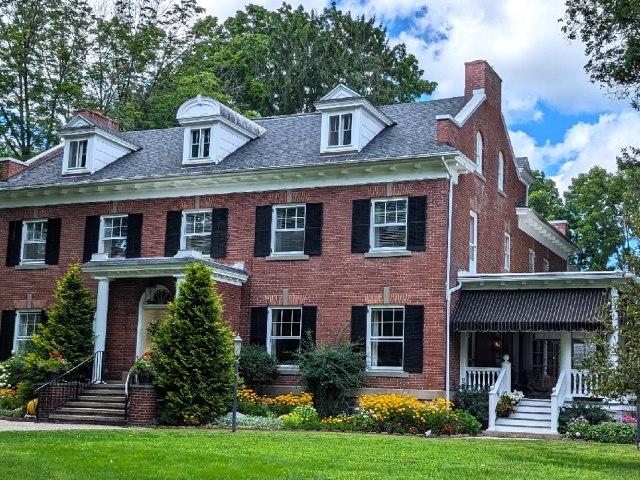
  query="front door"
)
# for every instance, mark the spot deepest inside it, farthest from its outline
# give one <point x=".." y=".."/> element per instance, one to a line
<point x="149" y="313"/>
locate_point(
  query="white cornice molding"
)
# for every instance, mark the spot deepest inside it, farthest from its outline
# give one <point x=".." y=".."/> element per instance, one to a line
<point x="545" y="280"/>
<point x="341" y="173"/>
<point x="546" y="234"/>
<point x="467" y="111"/>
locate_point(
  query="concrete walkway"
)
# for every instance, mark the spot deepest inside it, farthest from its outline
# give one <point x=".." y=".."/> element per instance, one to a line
<point x="8" y="426"/>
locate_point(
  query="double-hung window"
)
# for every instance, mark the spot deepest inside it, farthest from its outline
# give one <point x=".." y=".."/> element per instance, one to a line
<point x="385" y="345"/>
<point x="340" y="127"/>
<point x="389" y="224"/>
<point x="34" y="241"/>
<point x="507" y="251"/>
<point x="288" y="231"/>
<point x="532" y="261"/>
<point x="284" y="333"/>
<point x="78" y="154"/>
<point x="114" y="236"/>
<point x="200" y="143"/>
<point x="501" y="172"/>
<point x="197" y="231"/>
<point x="26" y="322"/>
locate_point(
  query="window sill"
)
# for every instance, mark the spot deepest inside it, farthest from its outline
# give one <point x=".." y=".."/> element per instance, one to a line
<point x="480" y="176"/>
<point x="502" y="193"/>
<point x="386" y="373"/>
<point x="388" y="253"/>
<point x="288" y="256"/>
<point x="32" y="266"/>
<point x="288" y="370"/>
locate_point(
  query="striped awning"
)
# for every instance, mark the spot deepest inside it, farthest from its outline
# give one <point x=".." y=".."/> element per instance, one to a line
<point x="535" y="310"/>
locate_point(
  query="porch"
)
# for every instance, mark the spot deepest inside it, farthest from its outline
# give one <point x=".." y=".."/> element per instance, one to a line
<point x="527" y="332"/>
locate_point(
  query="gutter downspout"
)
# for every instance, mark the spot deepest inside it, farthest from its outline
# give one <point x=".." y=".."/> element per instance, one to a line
<point x="449" y="291"/>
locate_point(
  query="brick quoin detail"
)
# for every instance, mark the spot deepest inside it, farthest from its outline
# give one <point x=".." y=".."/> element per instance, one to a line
<point x="142" y="405"/>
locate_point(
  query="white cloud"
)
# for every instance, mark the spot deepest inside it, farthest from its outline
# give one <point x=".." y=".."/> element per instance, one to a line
<point x="226" y="9"/>
<point x="584" y="146"/>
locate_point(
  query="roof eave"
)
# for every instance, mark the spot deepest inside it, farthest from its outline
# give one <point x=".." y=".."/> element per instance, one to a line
<point x="525" y="281"/>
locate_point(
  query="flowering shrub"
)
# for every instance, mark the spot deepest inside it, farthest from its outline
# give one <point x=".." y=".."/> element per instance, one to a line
<point x="301" y="416"/>
<point x="578" y="428"/>
<point x="55" y="363"/>
<point x="191" y="421"/>
<point x="508" y="401"/>
<point x="629" y="418"/>
<point x="144" y="366"/>
<point x="251" y="403"/>
<point x="5" y="376"/>
<point x="8" y="392"/>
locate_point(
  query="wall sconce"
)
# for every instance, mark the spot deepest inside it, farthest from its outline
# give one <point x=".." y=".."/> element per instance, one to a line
<point x="150" y="293"/>
<point x="497" y="344"/>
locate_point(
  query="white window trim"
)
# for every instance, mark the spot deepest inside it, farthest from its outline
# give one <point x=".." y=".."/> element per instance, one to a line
<point x="200" y="157"/>
<point x="274" y="217"/>
<point x="102" y="237"/>
<point x="17" y="324"/>
<point x="66" y="169"/>
<point x="507" y="251"/>
<point x="23" y="261"/>
<point x="473" y="266"/>
<point x="269" y="327"/>
<point x="368" y="343"/>
<point x="501" y="172"/>
<point x="340" y="130"/>
<point x="183" y="228"/>
<point x="532" y="261"/>
<point x="479" y="152"/>
<point x="372" y="226"/>
<point x="326" y="130"/>
<point x="545" y="265"/>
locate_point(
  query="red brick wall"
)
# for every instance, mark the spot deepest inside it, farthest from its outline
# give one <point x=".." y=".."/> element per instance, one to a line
<point x="52" y="397"/>
<point x="8" y="169"/>
<point x="142" y="405"/>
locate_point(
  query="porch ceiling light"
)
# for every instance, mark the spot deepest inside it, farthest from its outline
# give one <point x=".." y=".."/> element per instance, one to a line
<point x="150" y="293"/>
<point x="497" y="343"/>
<point x="237" y="346"/>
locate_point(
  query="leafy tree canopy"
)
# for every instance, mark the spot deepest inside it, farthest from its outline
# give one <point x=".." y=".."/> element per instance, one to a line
<point x="544" y="197"/>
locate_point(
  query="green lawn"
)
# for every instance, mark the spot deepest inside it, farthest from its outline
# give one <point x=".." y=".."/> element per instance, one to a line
<point x="139" y="454"/>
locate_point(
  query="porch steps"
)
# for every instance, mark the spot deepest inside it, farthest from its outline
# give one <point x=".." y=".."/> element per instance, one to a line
<point x="98" y="405"/>
<point x="533" y="416"/>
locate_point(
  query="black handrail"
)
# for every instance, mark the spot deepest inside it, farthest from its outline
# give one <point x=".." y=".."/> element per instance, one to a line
<point x="127" y="397"/>
<point x="73" y="382"/>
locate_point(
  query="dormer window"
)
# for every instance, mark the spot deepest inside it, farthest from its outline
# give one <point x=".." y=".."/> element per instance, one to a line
<point x="78" y="154"/>
<point x="340" y="129"/>
<point x="200" y="142"/>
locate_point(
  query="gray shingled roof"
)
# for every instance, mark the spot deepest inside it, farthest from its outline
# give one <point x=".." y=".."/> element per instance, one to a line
<point x="290" y="140"/>
<point x="543" y="310"/>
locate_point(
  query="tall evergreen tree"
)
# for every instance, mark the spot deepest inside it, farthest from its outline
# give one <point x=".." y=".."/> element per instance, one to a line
<point x="69" y="326"/>
<point x="193" y="353"/>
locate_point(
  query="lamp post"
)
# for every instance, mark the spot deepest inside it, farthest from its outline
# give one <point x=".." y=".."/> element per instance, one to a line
<point x="237" y="346"/>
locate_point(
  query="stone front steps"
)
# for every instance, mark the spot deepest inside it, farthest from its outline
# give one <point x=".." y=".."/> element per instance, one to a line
<point x="531" y="417"/>
<point x="100" y="404"/>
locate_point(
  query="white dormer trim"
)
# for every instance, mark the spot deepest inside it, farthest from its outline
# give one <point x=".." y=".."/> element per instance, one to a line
<point x="367" y="120"/>
<point x="228" y="129"/>
<point x="468" y="110"/>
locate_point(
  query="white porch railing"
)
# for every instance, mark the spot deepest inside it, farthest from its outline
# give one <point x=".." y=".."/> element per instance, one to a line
<point x="580" y="384"/>
<point x="501" y="385"/>
<point x="558" y="395"/>
<point x="481" y="377"/>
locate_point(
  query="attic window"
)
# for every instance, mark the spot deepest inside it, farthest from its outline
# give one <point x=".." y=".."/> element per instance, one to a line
<point x="78" y="154"/>
<point x="200" y="142"/>
<point x="340" y="129"/>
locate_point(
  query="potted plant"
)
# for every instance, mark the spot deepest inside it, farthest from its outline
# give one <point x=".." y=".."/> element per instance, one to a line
<point x="143" y="369"/>
<point x="507" y="403"/>
<point x="54" y="366"/>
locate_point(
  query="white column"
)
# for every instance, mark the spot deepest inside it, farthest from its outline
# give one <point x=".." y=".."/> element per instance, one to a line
<point x="464" y="356"/>
<point x="100" y="324"/>
<point x="506" y="366"/>
<point x="565" y="361"/>
<point x="179" y="280"/>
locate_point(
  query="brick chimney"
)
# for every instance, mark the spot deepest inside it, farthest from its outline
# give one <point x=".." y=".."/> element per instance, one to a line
<point x="10" y="167"/>
<point x="561" y="225"/>
<point x="479" y="75"/>
<point x="98" y="117"/>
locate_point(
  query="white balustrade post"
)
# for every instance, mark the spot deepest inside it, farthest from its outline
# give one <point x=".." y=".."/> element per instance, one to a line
<point x="565" y="363"/>
<point x="493" y="403"/>
<point x="100" y="324"/>
<point x="506" y="366"/>
<point x="464" y="356"/>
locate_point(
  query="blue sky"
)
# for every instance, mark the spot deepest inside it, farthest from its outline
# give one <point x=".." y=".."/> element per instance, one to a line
<point x="556" y="117"/>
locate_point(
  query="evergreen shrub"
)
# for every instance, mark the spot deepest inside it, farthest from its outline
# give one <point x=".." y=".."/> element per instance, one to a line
<point x="257" y="367"/>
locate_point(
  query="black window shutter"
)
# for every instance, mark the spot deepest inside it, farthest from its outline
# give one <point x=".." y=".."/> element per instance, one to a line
<point x="52" y="247"/>
<point x="172" y="234"/>
<point x="262" y="246"/>
<point x="309" y="321"/>
<point x="359" y="325"/>
<point x="91" y="237"/>
<point x="313" y="229"/>
<point x="417" y="224"/>
<point x="14" y="243"/>
<point x="219" y="232"/>
<point x="413" y="338"/>
<point x="258" y="334"/>
<point x="43" y="317"/>
<point x="7" y="331"/>
<point x="360" y="224"/>
<point x="134" y="236"/>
